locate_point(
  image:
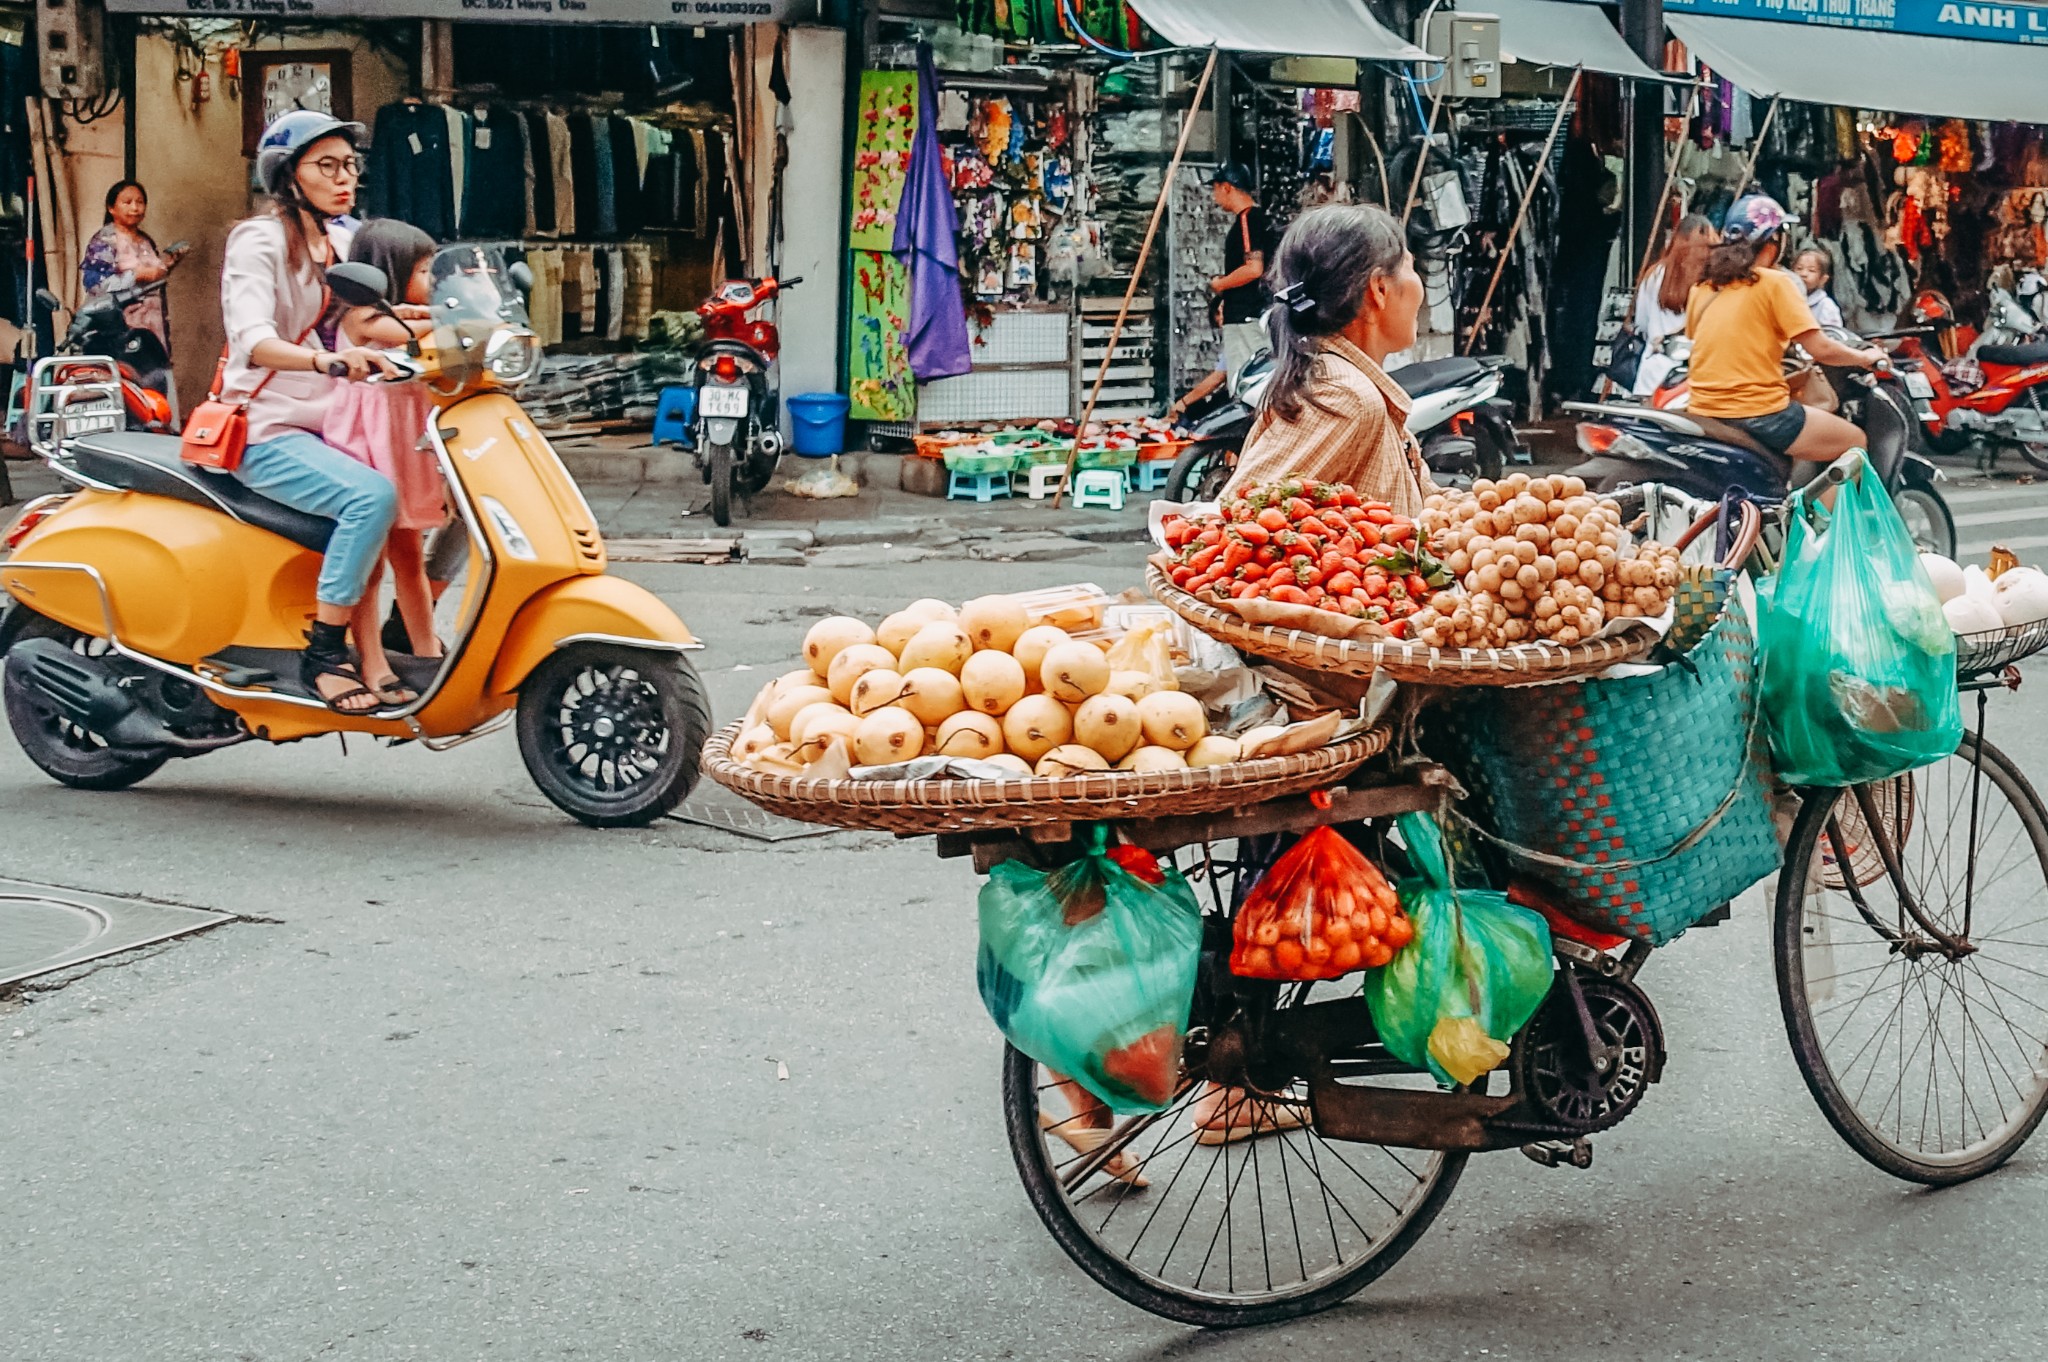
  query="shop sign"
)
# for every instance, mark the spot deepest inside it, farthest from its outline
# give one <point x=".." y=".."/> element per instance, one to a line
<point x="680" y="13"/>
<point x="1998" y="23"/>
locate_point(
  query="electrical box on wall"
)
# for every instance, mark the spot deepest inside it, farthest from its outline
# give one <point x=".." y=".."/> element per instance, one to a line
<point x="1470" y="47"/>
<point x="71" y="48"/>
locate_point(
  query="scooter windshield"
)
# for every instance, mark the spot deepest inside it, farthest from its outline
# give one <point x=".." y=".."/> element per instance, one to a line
<point x="474" y="297"/>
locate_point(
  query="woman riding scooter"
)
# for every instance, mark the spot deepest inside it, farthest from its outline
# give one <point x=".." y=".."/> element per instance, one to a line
<point x="275" y="305"/>
<point x="1741" y="317"/>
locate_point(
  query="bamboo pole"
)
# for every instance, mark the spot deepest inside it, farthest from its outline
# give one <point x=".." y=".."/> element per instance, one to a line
<point x="1692" y="105"/>
<point x="1564" y="108"/>
<point x="1123" y="313"/>
<point x="1436" y="105"/>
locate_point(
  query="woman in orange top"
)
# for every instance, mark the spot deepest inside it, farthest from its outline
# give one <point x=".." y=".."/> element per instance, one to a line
<point x="1741" y="317"/>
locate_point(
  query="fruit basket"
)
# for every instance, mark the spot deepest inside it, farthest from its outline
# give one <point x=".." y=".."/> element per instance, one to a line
<point x="1511" y="665"/>
<point x="1993" y="649"/>
<point x="917" y="807"/>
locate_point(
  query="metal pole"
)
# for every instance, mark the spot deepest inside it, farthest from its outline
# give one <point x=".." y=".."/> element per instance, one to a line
<point x="1187" y="128"/>
<point x="1642" y="28"/>
<point x="1564" y="107"/>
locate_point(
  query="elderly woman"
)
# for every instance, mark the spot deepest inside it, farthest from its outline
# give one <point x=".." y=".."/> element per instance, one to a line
<point x="1346" y="296"/>
<point x="121" y="254"/>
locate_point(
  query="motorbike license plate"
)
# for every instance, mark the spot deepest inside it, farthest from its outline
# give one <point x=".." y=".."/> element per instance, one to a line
<point x="1917" y="384"/>
<point x="91" y="420"/>
<point x="722" y="401"/>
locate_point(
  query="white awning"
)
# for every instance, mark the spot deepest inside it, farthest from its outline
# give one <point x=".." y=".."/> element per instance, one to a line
<point x="1563" y="33"/>
<point x="1862" y="69"/>
<point x="1288" y="28"/>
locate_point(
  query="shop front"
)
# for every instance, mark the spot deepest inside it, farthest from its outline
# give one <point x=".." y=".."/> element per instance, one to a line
<point x="632" y="155"/>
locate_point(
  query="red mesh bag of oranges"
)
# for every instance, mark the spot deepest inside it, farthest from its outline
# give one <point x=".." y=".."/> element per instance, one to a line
<point x="1320" y="911"/>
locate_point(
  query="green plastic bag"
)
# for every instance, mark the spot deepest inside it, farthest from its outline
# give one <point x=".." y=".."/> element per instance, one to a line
<point x="1090" y="969"/>
<point x="1859" y="666"/>
<point x="1477" y="970"/>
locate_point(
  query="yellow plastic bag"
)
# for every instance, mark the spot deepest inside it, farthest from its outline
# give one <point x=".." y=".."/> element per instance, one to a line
<point x="1148" y="649"/>
<point x="1464" y="1051"/>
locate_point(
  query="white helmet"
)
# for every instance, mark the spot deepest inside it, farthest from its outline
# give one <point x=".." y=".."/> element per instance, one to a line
<point x="288" y="136"/>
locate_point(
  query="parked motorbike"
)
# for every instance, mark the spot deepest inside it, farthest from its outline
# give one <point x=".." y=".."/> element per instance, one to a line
<point x="1992" y="394"/>
<point x="1627" y="444"/>
<point x="155" y="611"/>
<point x="100" y="327"/>
<point x="1465" y="427"/>
<point x="737" y="432"/>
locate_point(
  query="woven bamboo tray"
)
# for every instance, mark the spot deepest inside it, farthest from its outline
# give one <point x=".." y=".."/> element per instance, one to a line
<point x="912" y="807"/>
<point x="1404" y="661"/>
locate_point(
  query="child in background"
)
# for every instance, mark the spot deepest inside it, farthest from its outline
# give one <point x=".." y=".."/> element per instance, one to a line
<point x="1813" y="266"/>
<point x="382" y="425"/>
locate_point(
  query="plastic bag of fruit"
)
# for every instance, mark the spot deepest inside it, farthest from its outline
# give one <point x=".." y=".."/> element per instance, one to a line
<point x="1090" y="969"/>
<point x="1320" y="911"/>
<point x="1478" y="969"/>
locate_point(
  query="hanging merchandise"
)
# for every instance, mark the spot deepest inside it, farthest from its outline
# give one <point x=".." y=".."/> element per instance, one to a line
<point x="927" y="242"/>
<point x="883" y="126"/>
<point x="878" y="361"/>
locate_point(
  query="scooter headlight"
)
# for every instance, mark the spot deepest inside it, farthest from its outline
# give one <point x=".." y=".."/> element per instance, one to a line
<point x="512" y="356"/>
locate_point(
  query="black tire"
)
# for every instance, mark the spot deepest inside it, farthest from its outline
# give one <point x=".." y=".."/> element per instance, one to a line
<point x="59" y="748"/>
<point x="2037" y="455"/>
<point x="756" y="472"/>
<point x="1200" y="473"/>
<point x="1073" y="1227"/>
<point x="1818" y="925"/>
<point x="1493" y="453"/>
<point x="721" y="484"/>
<point x="591" y="704"/>
<point x="1927" y="518"/>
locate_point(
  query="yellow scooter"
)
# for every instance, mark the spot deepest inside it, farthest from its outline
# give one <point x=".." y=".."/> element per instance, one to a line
<point x="155" y="611"/>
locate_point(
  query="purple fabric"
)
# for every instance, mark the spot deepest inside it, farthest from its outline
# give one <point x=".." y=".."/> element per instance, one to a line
<point x="927" y="242"/>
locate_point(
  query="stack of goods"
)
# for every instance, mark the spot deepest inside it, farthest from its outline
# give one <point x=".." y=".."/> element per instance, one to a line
<point x="1014" y="448"/>
<point x="993" y="682"/>
<point x="578" y="394"/>
<point x="1540" y="560"/>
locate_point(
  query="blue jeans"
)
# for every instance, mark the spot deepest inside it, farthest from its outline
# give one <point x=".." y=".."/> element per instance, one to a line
<point x="304" y="472"/>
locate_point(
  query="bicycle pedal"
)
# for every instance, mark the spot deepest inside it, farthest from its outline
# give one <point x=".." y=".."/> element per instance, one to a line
<point x="1558" y="1153"/>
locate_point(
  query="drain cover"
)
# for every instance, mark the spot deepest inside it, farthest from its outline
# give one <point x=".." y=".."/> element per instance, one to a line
<point x="44" y="929"/>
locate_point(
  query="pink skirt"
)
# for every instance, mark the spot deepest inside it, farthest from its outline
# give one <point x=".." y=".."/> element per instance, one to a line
<point x="381" y="424"/>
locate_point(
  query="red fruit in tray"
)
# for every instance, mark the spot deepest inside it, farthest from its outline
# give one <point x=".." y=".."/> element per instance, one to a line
<point x="1148" y="1068"/>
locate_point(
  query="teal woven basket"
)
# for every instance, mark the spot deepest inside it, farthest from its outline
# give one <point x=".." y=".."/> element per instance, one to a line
<point x="1644" y="799"/>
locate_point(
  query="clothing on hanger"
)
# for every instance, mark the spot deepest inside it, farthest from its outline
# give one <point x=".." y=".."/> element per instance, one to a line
<point x="626" y="214"/>
<point x="615" y="292"/>
<point x="494" y="198"/>
<point x="561" y="172"/>
<point x="458" y="158"/>
<point x="408" y="174"/>
<point x="583" y="142"/>
<point x="639" y="290"/>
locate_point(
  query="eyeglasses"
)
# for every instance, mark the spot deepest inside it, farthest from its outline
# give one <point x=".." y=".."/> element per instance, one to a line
<point x="333" y="167"/>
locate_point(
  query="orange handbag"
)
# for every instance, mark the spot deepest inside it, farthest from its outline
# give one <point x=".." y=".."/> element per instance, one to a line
<point x="217" y="433"/>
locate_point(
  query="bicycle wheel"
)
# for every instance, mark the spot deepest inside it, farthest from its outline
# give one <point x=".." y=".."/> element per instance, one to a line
<point x="1253" y="1232"/>
<point x="1928" y="1058"/>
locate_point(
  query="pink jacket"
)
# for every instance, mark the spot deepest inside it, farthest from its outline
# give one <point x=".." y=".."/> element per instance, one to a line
<point x="260" y="297"/>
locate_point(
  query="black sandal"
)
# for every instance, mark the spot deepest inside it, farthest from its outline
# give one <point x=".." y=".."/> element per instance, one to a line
<point x="395" y="691"/>
<point x="327" y="655"/>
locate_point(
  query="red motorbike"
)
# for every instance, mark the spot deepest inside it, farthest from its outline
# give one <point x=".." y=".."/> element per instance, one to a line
<point x="737" y="430"/>
<point x="100" y="327"/>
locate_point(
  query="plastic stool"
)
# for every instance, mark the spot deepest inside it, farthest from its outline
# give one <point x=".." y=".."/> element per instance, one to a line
<point x="977" y="486"/>
<point x="673" y="414"/>
<point x="1041" y="480"/>
<point x="1152" y="474"/>
<point x="1099" y="487"/>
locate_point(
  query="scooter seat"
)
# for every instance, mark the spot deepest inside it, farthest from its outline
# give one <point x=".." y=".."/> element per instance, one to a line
<point x="2013" y="354"/>
<point x="1434" y="375"/>
<point x="138" y="462"/>
<point x="1735" y="435"/>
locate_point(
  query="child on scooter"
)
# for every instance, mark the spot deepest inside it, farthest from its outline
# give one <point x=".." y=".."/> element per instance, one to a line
<point x="384" y="425"/>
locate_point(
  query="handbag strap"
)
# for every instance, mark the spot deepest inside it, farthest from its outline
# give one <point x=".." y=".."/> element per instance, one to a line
<point x="220" y="367"/>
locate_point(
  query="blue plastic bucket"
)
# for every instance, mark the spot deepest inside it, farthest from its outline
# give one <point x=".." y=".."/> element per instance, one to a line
<point x="818" y="423"/>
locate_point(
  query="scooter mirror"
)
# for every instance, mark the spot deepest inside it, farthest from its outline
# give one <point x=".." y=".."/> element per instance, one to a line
<point x="521" y="277"/>
<point x="48" y="301"/>
<point x="357" y="284"/>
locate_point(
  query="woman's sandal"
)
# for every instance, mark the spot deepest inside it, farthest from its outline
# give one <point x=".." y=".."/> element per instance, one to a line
<point x="394" y="691"/>
<point x="314" y="668"/>
<point x="1085" y="1140"/>
<point x="1248" y="1118"/>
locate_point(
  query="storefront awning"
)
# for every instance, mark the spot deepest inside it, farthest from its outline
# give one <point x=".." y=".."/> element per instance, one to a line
<point x="1896" y="72"/>
<point x="1563" y="33"/>
<point x="1290" y="28"/>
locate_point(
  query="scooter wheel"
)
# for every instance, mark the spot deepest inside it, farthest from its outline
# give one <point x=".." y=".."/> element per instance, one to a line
<point x="58" y="747"/>
<point x="613" y="735"/>
<point x="721" y="485"/>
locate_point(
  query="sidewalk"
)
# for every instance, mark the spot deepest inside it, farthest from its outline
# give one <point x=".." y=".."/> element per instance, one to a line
<point x="652" y="505"/>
